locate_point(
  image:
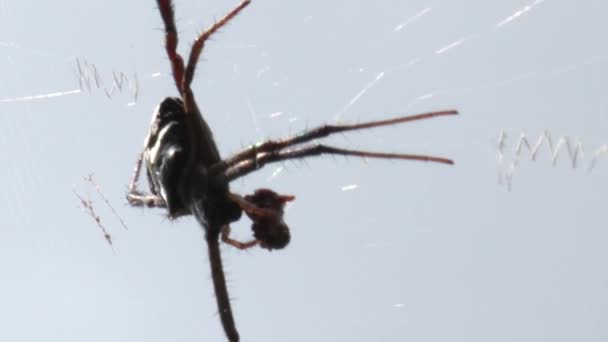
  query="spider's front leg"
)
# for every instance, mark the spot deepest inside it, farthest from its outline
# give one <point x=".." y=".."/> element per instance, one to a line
<point x="199" y="42"/>
<point x="245" y="167"/>
<point x="274" y="146"/>
<point x="137" y="198"/>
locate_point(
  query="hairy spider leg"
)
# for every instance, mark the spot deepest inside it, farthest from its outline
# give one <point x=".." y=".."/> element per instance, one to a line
<point x="199" y="42"/>
<point x="323" y="131"/>
<point x="248" y="166"/>
<point x="219" y="281"/>
<point x="256" y="156"/>
<point x="171" y="39"/>
<point x="183" y="78"/>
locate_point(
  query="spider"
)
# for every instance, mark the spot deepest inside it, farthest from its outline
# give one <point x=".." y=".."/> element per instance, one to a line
<point x="187" y="176"/>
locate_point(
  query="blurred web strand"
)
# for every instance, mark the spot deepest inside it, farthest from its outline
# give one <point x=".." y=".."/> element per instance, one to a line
<point x="574" y="148"/>
<point x="349" y="187"/>
<point x="356" y="98"/>
<point x="412" y="62"/>
<point x="275" y="173"/>
<point x="459" y="42"/>
<point x="452" y="45"/>
<point x="254" y="118"/>
<point x="41" y="96"/>
<point x="519" y="13"/>
<point x="563" y="141"/>
<point x="411" y="19"/>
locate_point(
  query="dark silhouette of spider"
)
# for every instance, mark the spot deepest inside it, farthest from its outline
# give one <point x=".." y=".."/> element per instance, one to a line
<point x="187" y="176"/>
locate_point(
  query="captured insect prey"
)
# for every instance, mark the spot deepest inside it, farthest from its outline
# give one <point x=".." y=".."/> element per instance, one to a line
<point x="187" y="175"/>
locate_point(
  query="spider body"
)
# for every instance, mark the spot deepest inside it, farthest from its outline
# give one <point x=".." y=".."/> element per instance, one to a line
<point x="187" y="176"/>
<point x="177" y="156"/>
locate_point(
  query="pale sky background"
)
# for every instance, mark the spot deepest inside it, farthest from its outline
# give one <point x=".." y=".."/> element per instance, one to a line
<point x="380" y="251"/>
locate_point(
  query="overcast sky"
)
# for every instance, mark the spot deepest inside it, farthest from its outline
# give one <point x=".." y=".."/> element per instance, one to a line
<point x="495" y="248"/>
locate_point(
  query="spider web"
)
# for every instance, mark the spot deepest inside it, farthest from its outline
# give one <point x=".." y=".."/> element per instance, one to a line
<point x="381" y="250"/>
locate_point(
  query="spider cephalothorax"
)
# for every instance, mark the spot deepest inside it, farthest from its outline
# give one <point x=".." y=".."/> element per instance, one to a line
<point x="186" y="174"/>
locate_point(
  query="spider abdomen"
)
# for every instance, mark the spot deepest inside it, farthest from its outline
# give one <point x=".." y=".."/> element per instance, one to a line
<point x="167" y="154"/>
<point x="176" y="157"/>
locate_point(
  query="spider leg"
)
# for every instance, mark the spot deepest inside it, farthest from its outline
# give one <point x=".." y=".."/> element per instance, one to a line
<point x="199" y="43"/>
<point x="249" y="166"/>
<point x="235" y="243"/>
<point x="136" y="197"/>
<point x="219" y="284"/>
<point x="171" y="39"/>
<point x="271" y="146"/>
<point x="217" y="273"/>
